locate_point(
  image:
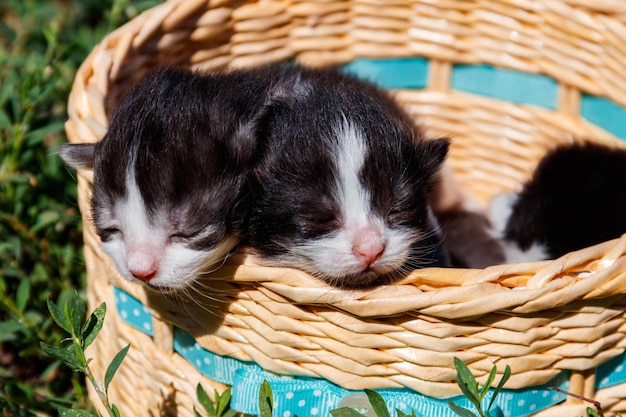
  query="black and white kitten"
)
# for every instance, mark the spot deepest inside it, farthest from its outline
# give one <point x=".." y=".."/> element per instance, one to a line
<point x="171" y="187"/>
<point x="345" y="183"/>
<point x="576" y="198"/>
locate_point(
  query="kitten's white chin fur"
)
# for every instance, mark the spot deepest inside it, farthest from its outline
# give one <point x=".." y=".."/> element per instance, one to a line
<point x="332" y="257"/>
<point x="147" y="242"/>
<point x="178" y="267"/>
<point x="500" y="209"/>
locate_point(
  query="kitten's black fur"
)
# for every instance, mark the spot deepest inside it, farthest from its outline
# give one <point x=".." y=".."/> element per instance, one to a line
<point x="299" y="203"/>
<point x="575" y="199"/>
<point x="189" y="141"/>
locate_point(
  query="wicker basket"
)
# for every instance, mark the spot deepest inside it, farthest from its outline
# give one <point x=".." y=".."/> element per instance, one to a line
<point x="450" y="62"/>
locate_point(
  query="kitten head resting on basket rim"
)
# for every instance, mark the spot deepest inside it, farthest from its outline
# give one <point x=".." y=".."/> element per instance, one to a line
<point x="313" y="169"/>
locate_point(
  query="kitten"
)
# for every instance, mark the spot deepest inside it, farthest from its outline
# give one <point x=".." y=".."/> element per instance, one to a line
<point x="345" y="184"/>
<point x="171" y="186"/>
<point x="576" y="198"/>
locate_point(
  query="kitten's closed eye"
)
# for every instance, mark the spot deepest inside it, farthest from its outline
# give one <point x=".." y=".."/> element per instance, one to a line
<point x="109" y="232"/>
<point x="183" y="237"/>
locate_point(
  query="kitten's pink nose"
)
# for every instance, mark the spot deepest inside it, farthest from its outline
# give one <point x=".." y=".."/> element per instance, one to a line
<point x="368" y="245"/>
<point x="143" y="263"/>
<point x="144" y="276"/>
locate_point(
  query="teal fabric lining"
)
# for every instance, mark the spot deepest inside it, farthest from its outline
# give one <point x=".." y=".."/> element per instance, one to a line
<point x="611" y="373"/>
<point x="391" y="73"/>
<point x="485" y="80"/>
<point x="508" y="85"/>
<point x="605" y="114"/>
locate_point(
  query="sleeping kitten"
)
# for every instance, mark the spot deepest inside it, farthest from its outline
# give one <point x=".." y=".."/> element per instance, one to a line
<point x="576" y="198"/>
<point x="171" y="192"/>
<point x="345" y="184"/>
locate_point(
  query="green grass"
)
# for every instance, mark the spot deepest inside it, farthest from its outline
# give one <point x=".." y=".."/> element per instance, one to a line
<point x="42" y="43"/>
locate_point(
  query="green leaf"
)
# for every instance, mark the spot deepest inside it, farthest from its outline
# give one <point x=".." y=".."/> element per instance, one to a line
<point x="45" y="219"/>
<point x="233" y="413"/>
<point x="505" y="377"/>
<point x="195" y="413"/>
<point x="467" y="382"/>
<point x="113" y="411"/>
<point x="93" y="325"/>
<point x="403" y="414"/>
<point x="78" y="313"/>
<point x="266" y="400"/>
<point x="58" y="317"/>
<point x="463" y="412"/>
<point x="345" y="412"/>
<point x="591" y="412"/>
<point x="378" y="403"/>
<point x="205" y="401"/>
<point x="485" y="388"/>
<point x="9" y="328"/>
<point x="112" y="368"/>
<point x="23" y="295"/>
<point x="223" y="402"/>
<point x="73" y="412"/>
<point x="46" y="130"/>
<point x="67" y="356"/>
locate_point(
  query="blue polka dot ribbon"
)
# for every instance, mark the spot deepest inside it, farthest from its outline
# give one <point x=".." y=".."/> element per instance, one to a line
<point x="302" y="396"/>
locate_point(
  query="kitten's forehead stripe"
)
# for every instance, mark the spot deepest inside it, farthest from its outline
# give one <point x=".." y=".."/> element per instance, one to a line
<point x="132" y="211"/>
<point x="350" y="157"/>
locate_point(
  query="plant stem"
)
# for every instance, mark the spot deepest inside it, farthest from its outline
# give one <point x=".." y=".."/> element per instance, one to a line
<point x="580" y="397"/>
<point x="101" y="394"/>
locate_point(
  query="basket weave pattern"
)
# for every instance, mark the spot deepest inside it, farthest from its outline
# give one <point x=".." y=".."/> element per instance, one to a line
<point x="539" y="318"/>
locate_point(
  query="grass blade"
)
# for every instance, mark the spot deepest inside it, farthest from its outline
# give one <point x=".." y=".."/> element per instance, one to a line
<point x="23" y="295"/>
<point x="590" y="412"/>
<point x="345" y="412"/>
<point x="467" y="382"/>
<point x="266" y="400"/>
<point x="204" y="400"/>
<point x="485" y="388"/>
<point x="58" y="317"/>
<point x="73" y="412"/>
<point x="77" y="315"/>
<point x="463" y="412"/>
<point x="378" y="403"/>
<point x="112" y="368"/>
<point x="93" y="325"/>
<point x="223" y="402"/>
<point x="505" y="377"/>
<point x="67" y="356"/>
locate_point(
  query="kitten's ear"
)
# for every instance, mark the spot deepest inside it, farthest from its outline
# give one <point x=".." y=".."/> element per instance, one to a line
<point x="78" y="155"/>
<point x="433" y="153"/>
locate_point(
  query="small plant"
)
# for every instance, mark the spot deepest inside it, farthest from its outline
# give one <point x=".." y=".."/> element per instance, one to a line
<point x="589" y="412"/>
<point x="378" y="404"/>
<point x="469" y="387"/>
<point x="83" y="332"/>
<point x="466" y="381"/>
<point x="219" y="408"/>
